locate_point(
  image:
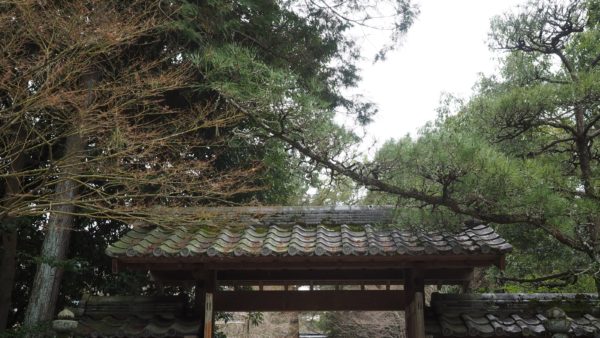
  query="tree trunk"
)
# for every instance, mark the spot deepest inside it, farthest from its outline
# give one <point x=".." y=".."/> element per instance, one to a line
<point x="44" y="292"/>
<point x="9" y="242"/>
<point x="46" y="284"/>
<point x="582" y="142"/>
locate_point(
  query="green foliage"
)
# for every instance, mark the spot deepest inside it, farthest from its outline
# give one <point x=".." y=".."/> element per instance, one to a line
<point x="536" y="254"/>
<point x="25" y="331"/>
<point x="521" y="152"/>
<point x="287" y="62"/>
<point x="336" y="191"/>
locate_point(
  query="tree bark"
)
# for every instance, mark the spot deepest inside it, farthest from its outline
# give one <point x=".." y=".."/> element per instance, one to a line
<point x="9" y="242"/>
<point x="46" y="284"/>
<point x="582" y="142"/>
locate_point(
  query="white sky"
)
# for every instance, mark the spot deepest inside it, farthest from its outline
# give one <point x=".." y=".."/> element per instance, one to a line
<point x="444" y="51"/>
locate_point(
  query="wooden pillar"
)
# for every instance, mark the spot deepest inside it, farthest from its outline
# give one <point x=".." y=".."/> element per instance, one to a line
<point x="200" y="300"/>
<point x="204" y="303"/>
<point x="414" y="311"/>
<point x="209" y="316"/>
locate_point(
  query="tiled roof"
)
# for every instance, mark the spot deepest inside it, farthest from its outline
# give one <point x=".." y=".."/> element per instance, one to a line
<point x="313" y="232"/>
<point x="487" y="315"/>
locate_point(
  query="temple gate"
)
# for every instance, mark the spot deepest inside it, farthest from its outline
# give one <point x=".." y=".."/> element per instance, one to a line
<point x="301" y="259"/>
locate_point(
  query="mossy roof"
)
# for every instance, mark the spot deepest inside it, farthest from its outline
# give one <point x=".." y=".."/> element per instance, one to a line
<point x="356" y="231"/>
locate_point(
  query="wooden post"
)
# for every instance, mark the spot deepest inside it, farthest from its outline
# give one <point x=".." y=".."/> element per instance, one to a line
<point x="208" y="315"/>
<point x="209" y="318"/>
<point x="414" y="311"/>
<point x="200" y="305"/>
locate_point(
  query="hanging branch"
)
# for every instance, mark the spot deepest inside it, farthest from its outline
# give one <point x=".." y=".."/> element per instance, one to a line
<point x="566" y="278"/>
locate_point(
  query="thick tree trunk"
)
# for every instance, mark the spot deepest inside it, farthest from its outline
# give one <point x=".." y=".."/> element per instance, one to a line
<point x="9" y="242"/>
<point x="46" y="284"/>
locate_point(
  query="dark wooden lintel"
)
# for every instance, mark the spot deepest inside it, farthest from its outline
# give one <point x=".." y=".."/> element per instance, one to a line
<point x="330" y="300"/>
<point x="434" y="276"/>
<point x="307" y="262"/>
<point x="310" y="275"/>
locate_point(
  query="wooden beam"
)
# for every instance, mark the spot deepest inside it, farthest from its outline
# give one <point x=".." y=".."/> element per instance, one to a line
<point x="318" y="276"/>
<point x="330" y="300"/>
<point x="311" y="275"/>
<point x="276" y="282"/>
<point x="308" y="262"/>
<point x="414" y="311"/>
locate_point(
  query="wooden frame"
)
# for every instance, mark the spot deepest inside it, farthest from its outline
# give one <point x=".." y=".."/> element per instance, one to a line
<point x="237" y="280"/>
<point x="447" y="276"/>
<point x="453" y="261"/>
<point x="413" y="272"/>
<point x="330" y="300"/>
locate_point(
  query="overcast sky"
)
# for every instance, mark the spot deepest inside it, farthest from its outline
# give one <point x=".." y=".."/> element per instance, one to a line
<point x="443" y="51"/>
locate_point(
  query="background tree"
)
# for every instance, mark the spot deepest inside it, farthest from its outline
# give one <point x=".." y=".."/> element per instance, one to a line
<point x="99" y="121"/>
<point x="111" y="108"/>
<point x="522" y="152"/>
